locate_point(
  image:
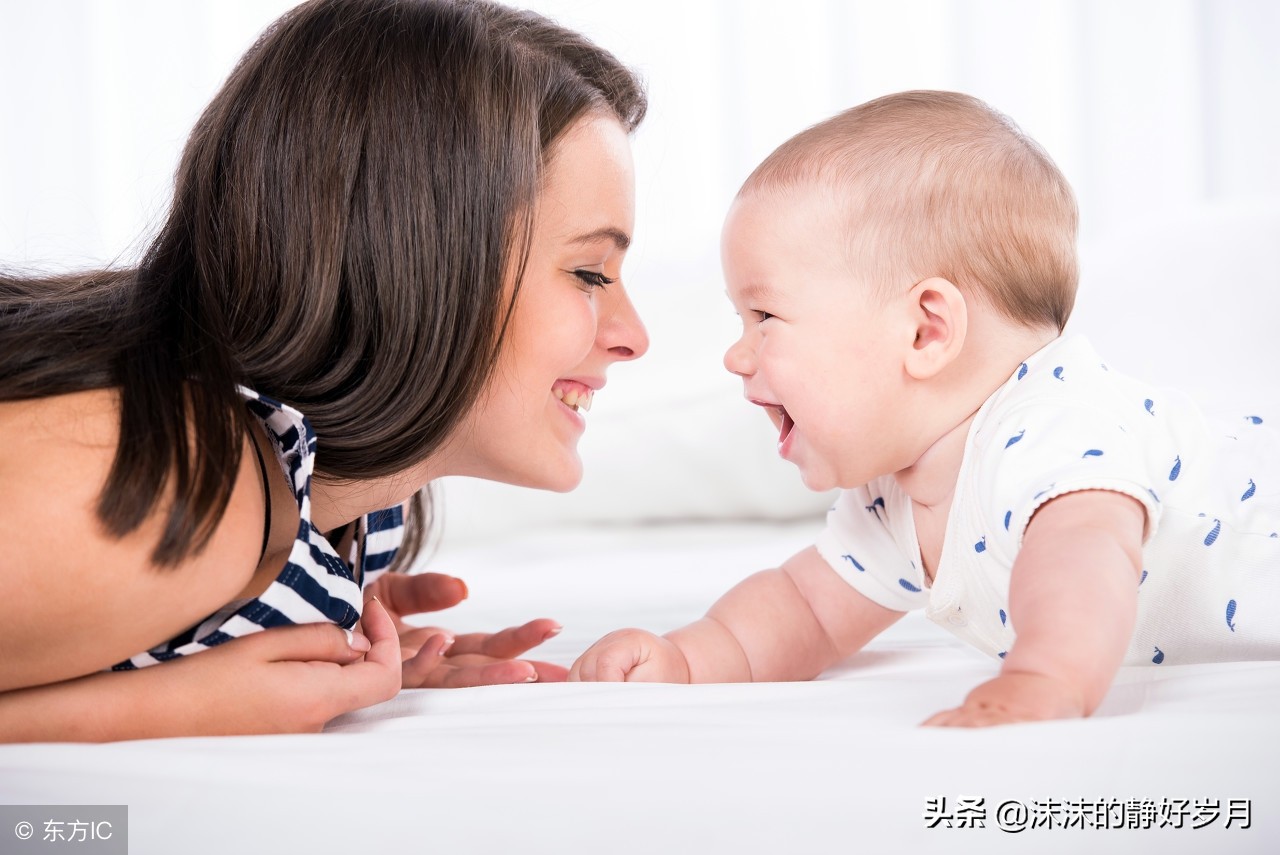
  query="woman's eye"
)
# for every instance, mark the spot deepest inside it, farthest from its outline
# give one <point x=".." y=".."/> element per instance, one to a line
<point x="593" y="279"/>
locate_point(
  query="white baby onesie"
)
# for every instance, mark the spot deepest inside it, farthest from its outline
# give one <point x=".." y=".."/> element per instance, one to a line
<point x="1064" y="422"/>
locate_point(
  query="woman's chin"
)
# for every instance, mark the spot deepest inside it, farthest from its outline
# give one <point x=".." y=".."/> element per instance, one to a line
<point x="567" y="479"/>
<point x="560" y="477"/>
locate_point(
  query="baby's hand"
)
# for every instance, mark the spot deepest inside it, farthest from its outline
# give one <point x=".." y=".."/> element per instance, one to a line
<point x="1013" y="697"/>
<point x="631" y="656"/>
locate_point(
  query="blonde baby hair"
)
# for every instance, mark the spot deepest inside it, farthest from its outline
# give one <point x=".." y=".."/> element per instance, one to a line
<point x="940" y="184"/>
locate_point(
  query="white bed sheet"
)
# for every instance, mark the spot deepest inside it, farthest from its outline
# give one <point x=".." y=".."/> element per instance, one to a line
<point x="834" y="765"/>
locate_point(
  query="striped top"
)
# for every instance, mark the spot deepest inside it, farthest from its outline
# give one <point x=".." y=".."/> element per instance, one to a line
<point x="316" y="585"/>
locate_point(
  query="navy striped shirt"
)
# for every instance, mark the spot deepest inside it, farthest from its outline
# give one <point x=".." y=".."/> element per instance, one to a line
<point x="316" y="585"/>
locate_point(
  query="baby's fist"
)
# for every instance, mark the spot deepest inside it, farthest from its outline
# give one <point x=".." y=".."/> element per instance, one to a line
<point x="631" y="656"/>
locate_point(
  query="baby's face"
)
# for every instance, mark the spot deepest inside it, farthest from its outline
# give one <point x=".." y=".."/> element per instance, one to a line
<point x="818" y="351"/>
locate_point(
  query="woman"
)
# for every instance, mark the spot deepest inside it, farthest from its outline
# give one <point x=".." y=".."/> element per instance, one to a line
<point x="393" y="255"/>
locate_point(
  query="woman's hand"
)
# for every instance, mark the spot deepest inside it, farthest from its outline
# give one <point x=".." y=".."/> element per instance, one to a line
<point x="289" y="679"/>
<point x="436" y="658"/>
<point x="292" y="679"/>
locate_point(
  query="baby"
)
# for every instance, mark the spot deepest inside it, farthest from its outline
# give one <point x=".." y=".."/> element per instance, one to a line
<point x="904" y="272"/>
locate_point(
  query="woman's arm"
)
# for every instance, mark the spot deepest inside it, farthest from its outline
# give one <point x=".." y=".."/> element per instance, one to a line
<point x="1073" y="599"/>
<point x="285" y="680"/>
<point x="789" y="623"/>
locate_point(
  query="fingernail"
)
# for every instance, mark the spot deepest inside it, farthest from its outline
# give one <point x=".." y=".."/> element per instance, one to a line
<point x="531" y="678"/>
<point x="553" y="632"/>
<point x="448" y="642"/>
<point x="358" y="642"/>
<point x="463" y="586"/>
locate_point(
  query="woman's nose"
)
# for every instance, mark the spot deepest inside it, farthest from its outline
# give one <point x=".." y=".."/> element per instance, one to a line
<point x="624" y="335"/>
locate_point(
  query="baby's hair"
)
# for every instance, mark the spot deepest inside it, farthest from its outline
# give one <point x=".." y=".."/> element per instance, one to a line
<point x="940" y="184"/>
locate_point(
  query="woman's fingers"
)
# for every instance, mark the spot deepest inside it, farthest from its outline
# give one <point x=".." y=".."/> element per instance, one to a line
<point x="416" y="670"/>
<point x="381" y="632"/>
<point x="421" y="592"/>
<point x="493" y="673"/>
<point x="507" y="643"/>
<point x="550" y="673"/>
<point x="377" y="677"/>
<point x="310" y="642"/>
<point x="431" y="668"/>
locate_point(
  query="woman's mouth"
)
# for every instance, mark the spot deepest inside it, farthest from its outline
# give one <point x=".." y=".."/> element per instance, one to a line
<point x="574" y="395"/>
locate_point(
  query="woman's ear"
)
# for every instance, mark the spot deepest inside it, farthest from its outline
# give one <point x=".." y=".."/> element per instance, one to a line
<point x="941" y="320"/>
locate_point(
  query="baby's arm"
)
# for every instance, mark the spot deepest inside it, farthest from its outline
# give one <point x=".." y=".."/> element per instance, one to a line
<point x="1073" y="600"/>
<point x="789" y="623"/>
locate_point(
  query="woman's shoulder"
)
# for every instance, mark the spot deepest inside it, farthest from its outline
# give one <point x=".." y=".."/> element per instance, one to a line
<point x="77" y="416"/>
<point x="60" y="446"/>
<point x="84" y="598"/>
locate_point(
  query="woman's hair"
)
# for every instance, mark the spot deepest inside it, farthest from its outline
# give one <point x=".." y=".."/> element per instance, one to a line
<point x="345" y="215"/>
<point x="940" y="184"/>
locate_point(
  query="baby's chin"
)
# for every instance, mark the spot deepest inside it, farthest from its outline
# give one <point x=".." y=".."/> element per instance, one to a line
<point x="822" y="477"/>
<point x="818" y="480"/>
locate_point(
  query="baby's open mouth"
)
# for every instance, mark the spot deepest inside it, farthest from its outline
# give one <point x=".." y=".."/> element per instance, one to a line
<point x="784" y="429"/>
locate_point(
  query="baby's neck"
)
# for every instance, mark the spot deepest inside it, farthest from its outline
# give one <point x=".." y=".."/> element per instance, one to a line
<point x="931" y="480"/>
<point x="992" y="353"/>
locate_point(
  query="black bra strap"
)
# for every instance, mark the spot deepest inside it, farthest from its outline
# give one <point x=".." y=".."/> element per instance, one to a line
<point x="266" y="490"/>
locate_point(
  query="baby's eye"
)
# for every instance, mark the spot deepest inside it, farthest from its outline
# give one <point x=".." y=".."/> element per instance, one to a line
<point x="593" y="279"/>
<point x="763" y="316"/>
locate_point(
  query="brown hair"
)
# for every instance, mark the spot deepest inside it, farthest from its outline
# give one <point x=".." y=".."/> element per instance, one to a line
<point x="346" y="212"/>
<point x="940" y="184"/>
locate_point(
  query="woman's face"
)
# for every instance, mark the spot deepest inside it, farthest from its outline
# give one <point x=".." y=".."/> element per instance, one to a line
<point x="572" y="319"/>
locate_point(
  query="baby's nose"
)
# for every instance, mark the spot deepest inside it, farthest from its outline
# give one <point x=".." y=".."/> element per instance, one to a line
<point x="739" y="359"/>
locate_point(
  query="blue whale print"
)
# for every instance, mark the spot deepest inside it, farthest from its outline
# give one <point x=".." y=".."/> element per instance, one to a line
<point x="1004" y="618"/>
<point x="1177" y="468"/>
<point x="904" y="583"/>
<point x="1158" y="658"/>
<point x="1213" y="535"/>
<point x="1057" y="372"/>
<point x="1022" y="370"/>
<point x="1017" y="437"/>
<point x="1008" y="515"/>
<point x="1143" y="579"/>
<point x="1231" y="613"/>
<point x="1257" y="420"/>
<point x="855" y="563"/>
<point x="1093" y="452"/>
<point x="876" y="506"/>
<point x="981" y="546"/>
<point x="1150" y="405"/>
<point x="1248" y="494"/>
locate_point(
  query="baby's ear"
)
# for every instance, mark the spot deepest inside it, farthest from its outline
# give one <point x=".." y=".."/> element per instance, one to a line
<point x="941" y="319"/>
